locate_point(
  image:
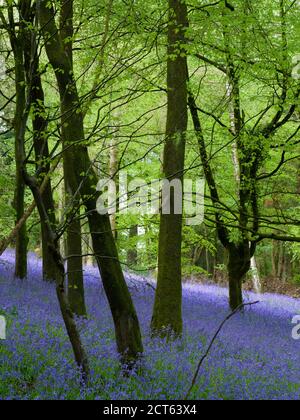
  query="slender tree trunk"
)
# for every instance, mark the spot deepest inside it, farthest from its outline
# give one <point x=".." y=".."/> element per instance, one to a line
<point x="61" y="211"/>
<point x="274" y="259"/>
<point x="21" y="237"/>
<point x="236" y="164"/>
<point x="90" y="259"/>
<point x="257" y="286"/>
<point x="167" y="314"/>
<point x="40" y="143"/>
<point x="58" y="263"/>
<point x="132" y="253"/>
<point x="22" y="111"/>
<point x="113" y="169"/>
<point x="127" y="329"/>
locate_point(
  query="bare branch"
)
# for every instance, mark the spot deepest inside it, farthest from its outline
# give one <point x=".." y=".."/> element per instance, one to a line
<point x="212" y="343"/>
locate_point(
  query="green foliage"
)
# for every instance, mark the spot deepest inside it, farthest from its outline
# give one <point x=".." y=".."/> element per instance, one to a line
<point x="120" y="59"/>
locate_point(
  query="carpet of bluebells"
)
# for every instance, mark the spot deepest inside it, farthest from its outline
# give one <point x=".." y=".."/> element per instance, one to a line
<point x="255" y="356"/>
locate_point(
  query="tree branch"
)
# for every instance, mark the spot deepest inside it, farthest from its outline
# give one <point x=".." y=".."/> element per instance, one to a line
<point x="212" y="343"/>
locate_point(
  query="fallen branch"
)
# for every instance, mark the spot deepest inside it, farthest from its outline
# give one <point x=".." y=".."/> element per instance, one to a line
<point x="212" y="343"/>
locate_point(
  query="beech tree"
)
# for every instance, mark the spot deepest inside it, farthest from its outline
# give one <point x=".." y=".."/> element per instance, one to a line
<point x="167" y="315"/>
<point x="242" y="227"/>
<point x="72" y="198"/>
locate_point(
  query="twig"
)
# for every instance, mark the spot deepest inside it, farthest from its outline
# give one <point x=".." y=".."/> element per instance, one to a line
<point x="212" y="343"/>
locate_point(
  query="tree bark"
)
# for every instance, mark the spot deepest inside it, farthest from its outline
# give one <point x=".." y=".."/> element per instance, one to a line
<point x="167" y="313"/>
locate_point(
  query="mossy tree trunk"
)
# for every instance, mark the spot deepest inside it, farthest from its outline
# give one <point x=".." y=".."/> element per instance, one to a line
<point x="127" y="328"/>
<point x="58" y="264"/>
<point x="72" y="198"/>
<point x="167" y="313"/>
<point x="17" y="43"/>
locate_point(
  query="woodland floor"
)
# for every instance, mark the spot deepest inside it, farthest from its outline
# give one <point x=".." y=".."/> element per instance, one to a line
<point x="255" y="356"/>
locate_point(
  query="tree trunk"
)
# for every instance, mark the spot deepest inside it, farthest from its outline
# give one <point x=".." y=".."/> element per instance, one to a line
<point x="90" y="259"/>
<point x="73" y="233"/>
<point x="127" y="329"/>
<point x="255" y="276"/>
<point x="167" y="313"/>
<point x="75" y="268"/>
<point x="238" y="267"/>
<point x="235" y="290"/>
<point x="275" y="246"/>
<point x="132" y="253"/>
<point x="61" y="211"/>
<point x="72" y="198"/>
<point x="40" y="143"/>
<point x="21" y="237"/>
<point x="22" y="111"/>
<point x="58" y="263"/>
<point x="236" y="164"/>
<point x="113" y="170"/>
